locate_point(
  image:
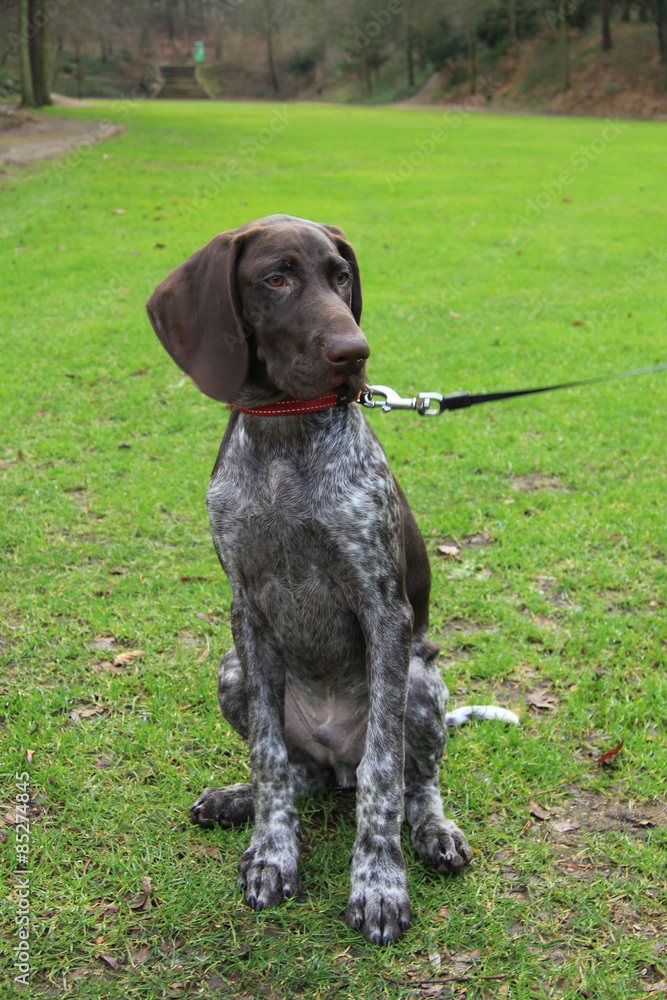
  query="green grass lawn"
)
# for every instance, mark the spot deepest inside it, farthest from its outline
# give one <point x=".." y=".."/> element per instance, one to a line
<point x="496" y="252"/>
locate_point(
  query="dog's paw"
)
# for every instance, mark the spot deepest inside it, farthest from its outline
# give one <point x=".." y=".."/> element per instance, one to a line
<point x="379" y="904"/>
<point x="267" y="877"/>
<point x="228" y="806"/>
<point x="380" y="913"/>
<point x="442" y="846"/>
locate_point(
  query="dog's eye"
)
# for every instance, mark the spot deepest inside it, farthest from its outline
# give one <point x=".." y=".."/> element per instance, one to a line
<point x="276" y="280"/>
<point x="343" y="277"/>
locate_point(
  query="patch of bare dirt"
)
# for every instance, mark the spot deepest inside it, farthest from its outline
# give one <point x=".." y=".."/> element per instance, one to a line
<point x="62" y="101"/>
<point x="13" y="118"/>
<point x="548" y="588"/>
<point x="591" y="812"/>
<point x="535" y="482"/>
<point x="28" y="137"/>
<point x="462" y="627"/>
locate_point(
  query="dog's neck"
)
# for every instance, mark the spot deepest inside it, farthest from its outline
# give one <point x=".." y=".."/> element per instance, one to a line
<point x="302" y="437"/>
<point x="294" y="407"/>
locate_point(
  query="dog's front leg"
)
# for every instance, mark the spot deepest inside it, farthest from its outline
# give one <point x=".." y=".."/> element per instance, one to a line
<point x="268" y="869"/>
<point x="379" y="902"/>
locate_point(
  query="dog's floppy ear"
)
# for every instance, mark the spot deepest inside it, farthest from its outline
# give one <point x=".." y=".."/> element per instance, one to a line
<point x="196" y="314"/>
<point x="346" y="251"/>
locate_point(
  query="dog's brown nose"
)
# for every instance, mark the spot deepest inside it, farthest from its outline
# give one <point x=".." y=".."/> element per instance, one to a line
<point x="347" y="354"/>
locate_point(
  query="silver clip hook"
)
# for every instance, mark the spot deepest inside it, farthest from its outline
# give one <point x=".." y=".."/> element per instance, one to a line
<point x="390" y="401"/>
<point x="424" y="400"/>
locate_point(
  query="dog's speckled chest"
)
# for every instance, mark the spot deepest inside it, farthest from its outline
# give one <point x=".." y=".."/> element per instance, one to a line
<point x="305" y="518"/>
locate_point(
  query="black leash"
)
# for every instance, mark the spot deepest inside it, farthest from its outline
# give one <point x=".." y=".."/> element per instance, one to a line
<point x="424" y="402"/>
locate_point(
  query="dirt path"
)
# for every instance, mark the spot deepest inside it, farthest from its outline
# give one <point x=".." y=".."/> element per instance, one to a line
<point x="26" y="136"/>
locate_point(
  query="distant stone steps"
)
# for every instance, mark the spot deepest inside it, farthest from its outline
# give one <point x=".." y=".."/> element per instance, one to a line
<point x="180" y="83"/>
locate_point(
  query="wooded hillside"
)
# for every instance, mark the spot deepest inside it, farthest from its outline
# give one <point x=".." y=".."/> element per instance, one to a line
<point x="534" y="52"/>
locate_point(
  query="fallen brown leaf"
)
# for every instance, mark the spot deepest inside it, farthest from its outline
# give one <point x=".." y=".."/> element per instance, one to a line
<point x="564" y="826"/>
<point x="78" y="714"/>
<point x="478" y="540"/>
<point x="80" y="973"/>
<point x="541" y="700"/>
<point x="139" y="955"/>
<point x="111" y="962"/>
<point x="610" y="753"/>
<point x="142" y="901"/>
<point x="538" y="811"/>
<point x="169" y="946"/>
<point x="451" y="551"/>
<point x="124" y="658"/>
<point x="104" y="642"/>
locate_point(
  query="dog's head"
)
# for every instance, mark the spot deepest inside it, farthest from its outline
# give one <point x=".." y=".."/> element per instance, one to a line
<point x="274" y="304"/>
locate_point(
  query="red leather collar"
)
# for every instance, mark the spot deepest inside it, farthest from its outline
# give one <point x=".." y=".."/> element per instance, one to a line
<point x="289" y="407"/>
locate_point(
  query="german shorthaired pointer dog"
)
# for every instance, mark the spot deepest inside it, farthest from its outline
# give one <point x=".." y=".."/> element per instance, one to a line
<point x="331" y="677"/>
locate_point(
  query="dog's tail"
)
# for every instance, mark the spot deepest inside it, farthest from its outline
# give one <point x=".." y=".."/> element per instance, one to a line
<point x="462" y="715"/>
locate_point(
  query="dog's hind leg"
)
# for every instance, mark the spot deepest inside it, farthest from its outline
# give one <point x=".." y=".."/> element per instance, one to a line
<point x="436" y="839"/>
<point x="233" y="804"/>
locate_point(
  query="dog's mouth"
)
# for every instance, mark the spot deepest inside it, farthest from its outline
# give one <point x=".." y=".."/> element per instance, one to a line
<point x="308" y="388"/>
<point x="352" y="386"/>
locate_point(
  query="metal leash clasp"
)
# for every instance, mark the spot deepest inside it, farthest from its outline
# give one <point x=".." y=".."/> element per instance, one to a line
<point x="390" y="400"/>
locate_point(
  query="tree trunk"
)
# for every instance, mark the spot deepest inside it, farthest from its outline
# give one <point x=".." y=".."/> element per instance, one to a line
<point x="169" y="14"/>
<point x="512" y="13"/>
<point x="44" y="53"/>
<point x="564" y="47"/>
<point x="408" y="48"/>
<point x="472" y="58"/>
<point x="661" y="20"/>
<point x="421" y="50"/>
<point x="39" y="55"/>
<point x="367" y="75"/>
<point x="266" y="8"/>
<point x="606" y="30"/>
<point x="27" y="89"/>
<point x="625" y="11"/>
<point x="79" y="71"/>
